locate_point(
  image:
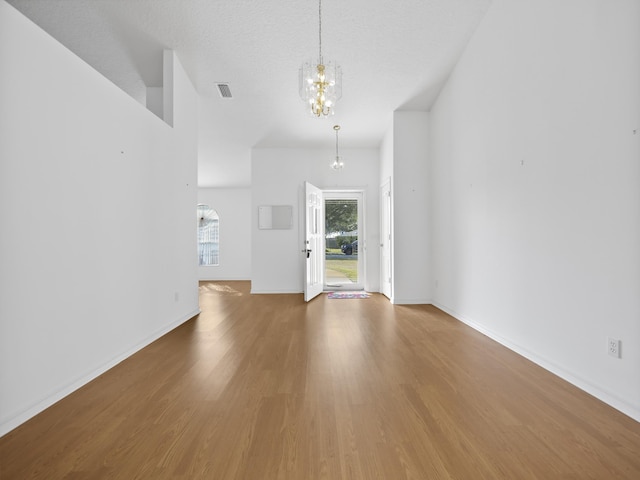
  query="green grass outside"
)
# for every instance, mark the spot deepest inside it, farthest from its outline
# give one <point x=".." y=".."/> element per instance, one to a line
<point x="348" y="267"/>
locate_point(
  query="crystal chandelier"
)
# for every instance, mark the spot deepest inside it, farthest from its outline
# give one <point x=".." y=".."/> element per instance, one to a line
<point x="337" y="163"/>
<point x="320" y="83"/>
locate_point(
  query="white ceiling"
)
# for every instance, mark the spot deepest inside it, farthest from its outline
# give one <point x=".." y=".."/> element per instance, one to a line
<point x="395" y="55"/>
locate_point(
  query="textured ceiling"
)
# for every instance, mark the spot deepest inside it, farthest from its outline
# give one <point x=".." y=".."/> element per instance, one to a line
<point x="395" y="55"/>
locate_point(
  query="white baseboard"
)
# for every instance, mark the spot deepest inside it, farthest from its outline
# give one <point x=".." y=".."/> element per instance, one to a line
<point x="206" y="278"/>
<point x="410" y="301"/>
<point x="598" y="392"/>
<point x="274" y="292"/>
<point x="16" y="419"/>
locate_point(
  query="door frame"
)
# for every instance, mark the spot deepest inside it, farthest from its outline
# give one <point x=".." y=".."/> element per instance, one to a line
<point x="386" y="223"/>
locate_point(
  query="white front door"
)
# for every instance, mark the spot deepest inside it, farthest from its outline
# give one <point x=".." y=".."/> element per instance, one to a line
<point x="314" y="245"/>
<point x="385" y="239"/>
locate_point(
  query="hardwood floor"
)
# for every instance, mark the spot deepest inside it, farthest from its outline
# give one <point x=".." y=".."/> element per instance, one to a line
<point x="262" y="387"/>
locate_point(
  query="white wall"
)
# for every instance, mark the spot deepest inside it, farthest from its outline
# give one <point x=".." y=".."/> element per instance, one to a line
<point x="277" y="176"/>
<point x="97" y="199"/>
<point x="404" y="157"/>
<point x="536" y="188"/>
<point x="234" y="209"/>
<point x="386" y="156"/>
<point x="410" y="237"/>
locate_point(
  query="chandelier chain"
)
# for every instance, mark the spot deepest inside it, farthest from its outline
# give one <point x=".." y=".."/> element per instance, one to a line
<point x="320" y="28"/>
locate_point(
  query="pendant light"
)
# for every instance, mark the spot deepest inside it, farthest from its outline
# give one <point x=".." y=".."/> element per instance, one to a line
<point x="337" y="163"/>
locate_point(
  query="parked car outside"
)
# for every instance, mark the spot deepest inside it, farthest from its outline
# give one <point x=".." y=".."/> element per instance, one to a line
<point x="350" y="248"/>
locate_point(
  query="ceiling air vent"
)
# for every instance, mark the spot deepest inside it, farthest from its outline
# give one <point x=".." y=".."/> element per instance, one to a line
<point x="224" y="90"/>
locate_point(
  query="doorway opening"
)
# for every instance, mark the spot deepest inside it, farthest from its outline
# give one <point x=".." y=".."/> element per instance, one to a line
<point x="208" y="236"/>
<point x="344" y="248"/>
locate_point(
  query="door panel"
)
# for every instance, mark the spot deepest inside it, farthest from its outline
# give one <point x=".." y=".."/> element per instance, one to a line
<point x="313" y="249"/>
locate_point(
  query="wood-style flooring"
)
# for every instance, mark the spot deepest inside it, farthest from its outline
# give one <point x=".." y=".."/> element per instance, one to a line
<point x="261" y="387"/>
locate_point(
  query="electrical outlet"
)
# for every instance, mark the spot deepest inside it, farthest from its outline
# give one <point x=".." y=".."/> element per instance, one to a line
<point x="176" y="297"/>
<point x="613" y="347"/>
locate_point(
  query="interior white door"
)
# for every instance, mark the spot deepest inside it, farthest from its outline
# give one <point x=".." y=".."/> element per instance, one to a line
<point x="385" y="239"/>
<point x="314" y="245"/>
